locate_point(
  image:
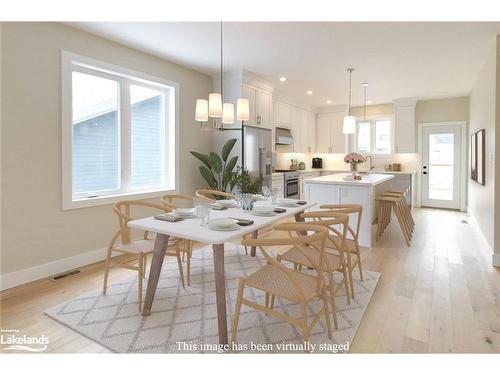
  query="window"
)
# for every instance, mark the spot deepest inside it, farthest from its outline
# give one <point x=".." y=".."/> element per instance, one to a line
<point x="119" y="133"/>
<point x="374" y="136"/>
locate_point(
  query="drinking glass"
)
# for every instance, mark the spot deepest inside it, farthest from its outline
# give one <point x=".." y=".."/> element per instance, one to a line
<point x="266" y="192"/>
<point x="199" y="205"/>
<point x="248" y="202"/>
<point x="274" y="195"/>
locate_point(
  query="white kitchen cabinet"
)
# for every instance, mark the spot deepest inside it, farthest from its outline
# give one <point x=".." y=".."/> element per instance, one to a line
<point x="260" y="103"/>
<point x="329" y="136"/>
<point x="304" y="176"/>
<point x="308" y="131"/>
<point x="404" y="129"/>
<point x="278" y="183"/>
<point x="281" y="114"/>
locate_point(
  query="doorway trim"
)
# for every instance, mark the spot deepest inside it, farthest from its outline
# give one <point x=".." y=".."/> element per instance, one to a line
<point x="463" y="161"/>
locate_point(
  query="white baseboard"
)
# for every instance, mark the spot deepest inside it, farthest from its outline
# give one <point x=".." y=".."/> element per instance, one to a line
<point x="496" y="259"/>
<point x="27" y="275"/>
<point x="495" y="256"/>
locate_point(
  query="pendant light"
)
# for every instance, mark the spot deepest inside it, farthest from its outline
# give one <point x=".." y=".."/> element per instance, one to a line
<point x="364" y="85"/>
<point x="349" y="123"/>
<point x="215" y="107"/>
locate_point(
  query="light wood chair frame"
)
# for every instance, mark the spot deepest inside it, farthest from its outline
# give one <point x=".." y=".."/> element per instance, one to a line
<point x="357" y="211"/>
<point x="122" y="210"/>
<point x="211" y="194"/>
<point x="305" y="243"/>
<point x="168" y="201"/>
<point x="389" y="202"/>
<point x="329" y="220"/>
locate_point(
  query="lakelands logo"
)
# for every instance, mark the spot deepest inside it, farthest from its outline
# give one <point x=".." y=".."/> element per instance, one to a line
<point x="10" y="339"/>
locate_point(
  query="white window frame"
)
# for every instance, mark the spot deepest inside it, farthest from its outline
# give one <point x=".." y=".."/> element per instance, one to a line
<point x="73" y="62"/>
<point x="372" y="120"/>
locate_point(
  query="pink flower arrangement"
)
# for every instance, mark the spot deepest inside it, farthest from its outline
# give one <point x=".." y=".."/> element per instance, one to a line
<point x="354" y="158"/>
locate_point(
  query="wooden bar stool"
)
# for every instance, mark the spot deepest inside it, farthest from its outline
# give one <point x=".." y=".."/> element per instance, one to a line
<point x="406" y="209"/>
<point x="387" y="204"/>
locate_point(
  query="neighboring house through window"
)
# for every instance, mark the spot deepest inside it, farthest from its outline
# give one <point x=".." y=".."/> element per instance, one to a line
<point x="119" y="133"/>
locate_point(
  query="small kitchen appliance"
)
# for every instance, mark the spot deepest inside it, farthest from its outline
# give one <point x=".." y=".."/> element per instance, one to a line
<point x="317" y="163"/>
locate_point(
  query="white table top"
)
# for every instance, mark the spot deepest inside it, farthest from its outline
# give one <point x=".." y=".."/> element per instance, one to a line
<point x="192" y="230"/>
<point x="371" y="179"/>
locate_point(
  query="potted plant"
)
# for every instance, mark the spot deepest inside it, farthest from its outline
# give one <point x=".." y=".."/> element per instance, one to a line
<point x="245" y="185"/>
<point x="353" y="159"/>
<point x="217" y="169"/>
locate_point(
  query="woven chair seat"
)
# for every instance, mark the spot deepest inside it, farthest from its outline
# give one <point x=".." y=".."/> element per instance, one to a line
<point x="349" y="244"/>
<point x="275" y="281"/>
<point x="294" y="255"/>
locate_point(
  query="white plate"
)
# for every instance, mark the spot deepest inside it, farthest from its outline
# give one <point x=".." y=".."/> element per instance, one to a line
<point x="226" y="202"/>
<point x="267" y="214"/>
<point x="263" y="209"/>
<point x="235" y="227"/>
<point x="288" y="202"/>
<point x="185" y="212"/>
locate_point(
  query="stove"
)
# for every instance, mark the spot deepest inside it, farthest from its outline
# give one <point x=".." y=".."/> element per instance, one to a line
<point x="291" y="178"/>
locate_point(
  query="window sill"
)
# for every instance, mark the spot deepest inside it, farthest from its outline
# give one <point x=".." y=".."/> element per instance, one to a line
<point x="110" y="199"/>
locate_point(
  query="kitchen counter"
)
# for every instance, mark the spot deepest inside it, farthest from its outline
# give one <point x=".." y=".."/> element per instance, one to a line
<point x="368" y="179"/>
<point x="333" y="189"/>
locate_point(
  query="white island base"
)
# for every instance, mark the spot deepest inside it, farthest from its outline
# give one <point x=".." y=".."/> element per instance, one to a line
<point x="342" y="189"/>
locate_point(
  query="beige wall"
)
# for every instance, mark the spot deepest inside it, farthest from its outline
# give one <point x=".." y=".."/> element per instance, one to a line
<point x="441" y="110"/>
<point x="496" y="155"/>
<point x="374" y="110"/>
<point x="36" y="229"/>
<point x="481" y="201"/>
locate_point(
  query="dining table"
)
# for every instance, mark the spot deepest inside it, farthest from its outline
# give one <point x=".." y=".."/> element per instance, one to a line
<point x="190" y="229"/>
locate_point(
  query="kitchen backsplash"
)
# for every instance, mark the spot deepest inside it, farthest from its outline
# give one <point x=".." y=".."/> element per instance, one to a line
<point x="409" y="162"/>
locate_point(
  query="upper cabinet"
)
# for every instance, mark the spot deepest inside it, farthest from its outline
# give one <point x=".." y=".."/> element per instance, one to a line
<point x="281" y="114"/>
<point x="302" y="124"/>
<point x="329" y="136"/>
<point x="404" y="127"/>
<point x="260" y="103"/>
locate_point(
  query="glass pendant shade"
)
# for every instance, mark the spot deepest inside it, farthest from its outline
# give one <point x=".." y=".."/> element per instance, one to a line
<point x="349" y="124"/>
<point x="201" y="112"/>
<point x="242" y="110"/>
<point x="215" y="105"/>
<point x="228" y="113"/>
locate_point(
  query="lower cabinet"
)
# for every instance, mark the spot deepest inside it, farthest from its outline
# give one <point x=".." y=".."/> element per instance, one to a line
<point x="304" y="176"/>
<point x="278" y="183"/>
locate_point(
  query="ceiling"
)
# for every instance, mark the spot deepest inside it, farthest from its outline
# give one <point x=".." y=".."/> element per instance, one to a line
<point x="422" y="60"/>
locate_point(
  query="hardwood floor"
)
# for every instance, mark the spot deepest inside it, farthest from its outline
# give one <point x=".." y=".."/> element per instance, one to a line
<point x="440" y="295"/>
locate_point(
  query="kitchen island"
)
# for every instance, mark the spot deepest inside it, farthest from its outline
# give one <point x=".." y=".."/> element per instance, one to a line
<point x="340" y="188"/>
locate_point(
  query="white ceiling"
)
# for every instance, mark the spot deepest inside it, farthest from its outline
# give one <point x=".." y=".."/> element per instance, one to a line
<point x="423" y="60"/>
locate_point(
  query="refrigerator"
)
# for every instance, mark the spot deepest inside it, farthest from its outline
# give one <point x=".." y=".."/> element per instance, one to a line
<point x="257" y="153"/>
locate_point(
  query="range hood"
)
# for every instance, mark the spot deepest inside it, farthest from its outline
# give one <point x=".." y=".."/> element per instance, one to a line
<point x="283" y="136"/>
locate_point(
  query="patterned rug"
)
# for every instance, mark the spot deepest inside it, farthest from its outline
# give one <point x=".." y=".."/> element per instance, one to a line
<point x="185" y="320"/>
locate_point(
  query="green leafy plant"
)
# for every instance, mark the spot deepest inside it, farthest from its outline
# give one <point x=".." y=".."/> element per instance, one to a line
<point x="245" y="184"/>
<point x="217" y="169"/>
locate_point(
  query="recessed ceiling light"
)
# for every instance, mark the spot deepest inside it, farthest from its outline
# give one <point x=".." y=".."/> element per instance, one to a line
<point x="369" y="102"/>
<point x="309" y="92"/>
<point x="328" y="102"/>
<point x="282" y="79"/>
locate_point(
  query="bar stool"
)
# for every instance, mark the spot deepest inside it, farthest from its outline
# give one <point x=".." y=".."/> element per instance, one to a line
<point x="406" y="208"/>
<point x="398" y="204"/>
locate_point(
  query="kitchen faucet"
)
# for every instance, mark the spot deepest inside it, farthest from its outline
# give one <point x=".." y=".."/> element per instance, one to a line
<point x="371" y="162"/>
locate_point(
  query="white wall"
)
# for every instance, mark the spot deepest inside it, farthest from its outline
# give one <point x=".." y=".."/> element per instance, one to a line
<point x="481" y="202"/>
<point x="36" y="230"/>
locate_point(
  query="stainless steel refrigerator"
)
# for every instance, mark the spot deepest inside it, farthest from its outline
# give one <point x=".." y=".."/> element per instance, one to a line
<point x="257" y="153"/>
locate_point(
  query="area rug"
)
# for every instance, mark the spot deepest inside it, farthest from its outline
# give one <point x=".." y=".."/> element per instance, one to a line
<point x="185" y="320"/>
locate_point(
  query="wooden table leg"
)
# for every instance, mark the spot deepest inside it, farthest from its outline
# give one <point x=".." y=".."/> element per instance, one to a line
<point x="220" y="291"/>
<point x="253" y="249"/>
<point x="159" y="249"/>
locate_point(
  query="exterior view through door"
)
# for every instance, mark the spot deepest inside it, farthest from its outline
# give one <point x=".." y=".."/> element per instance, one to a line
<point x="441" y="166"/>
